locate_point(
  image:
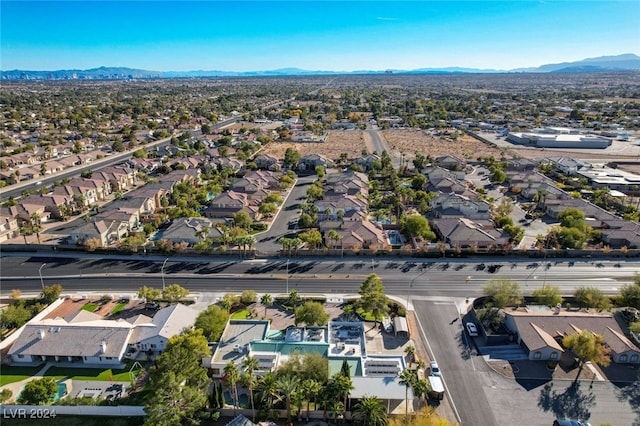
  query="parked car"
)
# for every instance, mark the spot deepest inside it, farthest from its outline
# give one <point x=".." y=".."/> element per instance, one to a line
<point x="435" y="370"/>
<point x="560" y="422"/>
<point x="472" y="329"/>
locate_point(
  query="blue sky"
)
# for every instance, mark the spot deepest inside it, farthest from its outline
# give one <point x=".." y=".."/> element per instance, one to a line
<point x="327" y="35"/>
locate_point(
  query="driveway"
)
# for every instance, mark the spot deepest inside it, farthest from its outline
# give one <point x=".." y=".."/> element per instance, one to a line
<point x="283" y="223"/>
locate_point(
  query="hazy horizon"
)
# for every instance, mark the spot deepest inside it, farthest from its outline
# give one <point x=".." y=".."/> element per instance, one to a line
<point x="245" y="36"/>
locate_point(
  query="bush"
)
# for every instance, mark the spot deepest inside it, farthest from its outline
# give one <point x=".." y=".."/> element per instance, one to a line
<point x="248" y="297"/>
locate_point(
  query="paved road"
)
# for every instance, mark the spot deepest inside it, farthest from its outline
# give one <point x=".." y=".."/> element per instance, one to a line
<point x="443" y="331"/>
<point x="322" y="275"/>
<point x="267" y="242"/>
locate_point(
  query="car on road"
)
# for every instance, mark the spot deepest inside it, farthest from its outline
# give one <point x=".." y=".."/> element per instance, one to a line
<point x="435" y="370"/>
<point x="472" y="329"/>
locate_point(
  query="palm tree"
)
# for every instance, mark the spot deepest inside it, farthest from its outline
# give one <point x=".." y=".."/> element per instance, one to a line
<point x="232" y="377"/>
<point x="250" y="365"/>
<point x="410" y="350"/>
<point x="266" y="301"/>
<point x="407" y="378"/>
<point x="337" y="409"/>
<point x="268" y="386"/>
<point x="335" y="237"/>
<point x="311" y="388"/>
<point x="369" y="411"/>
<point x="35" y="225"/>
<point x="288" y="385"/>
<point x="340" y="386"/>
<point x="421" y="390"/>
<point x="25" y="231"/>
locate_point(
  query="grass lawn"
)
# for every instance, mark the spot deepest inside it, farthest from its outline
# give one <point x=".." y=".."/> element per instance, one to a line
<point x="97" y="374"/>
<point x="120" y="306"/>
<point x="90" y="307"/>
<point x="242" y="314"/>
<point x="15" y="374"/>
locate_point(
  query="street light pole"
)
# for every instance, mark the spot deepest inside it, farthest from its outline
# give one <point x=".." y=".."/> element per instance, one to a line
<point x="40" y="273"/>
<point x="162" y="271"/>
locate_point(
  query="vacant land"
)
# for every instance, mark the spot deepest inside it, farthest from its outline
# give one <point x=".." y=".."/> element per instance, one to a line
<point x="350" y="141"/>
<point x="410" y="141"/>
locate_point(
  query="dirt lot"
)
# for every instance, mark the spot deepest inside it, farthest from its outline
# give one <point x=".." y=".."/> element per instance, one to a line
<point x="410" y="141"/>
<point x="350" y="141"/>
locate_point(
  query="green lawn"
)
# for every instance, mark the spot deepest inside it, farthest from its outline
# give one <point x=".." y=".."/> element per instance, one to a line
<point x="97" y="374"/>
<point x="90" y="307"/>
<point x="120" y="306"/>
<point x="367" y="316"/>
<point x="15" y="374"/>
<point x="242" y="314"/>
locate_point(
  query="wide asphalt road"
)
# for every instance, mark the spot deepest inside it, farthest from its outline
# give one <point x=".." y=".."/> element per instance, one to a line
<point x="454" y="278"/>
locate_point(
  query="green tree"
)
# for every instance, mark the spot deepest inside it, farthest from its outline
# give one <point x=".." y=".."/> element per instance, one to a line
<point x="242" y="220"/>
<point x="266" y="300"/>
<point x="250" y="365"/>
<point x="369" y="411"/>
<point x="311" y="313"/>
<point x="174" y="292"/>
<point x="212" y="322"/>
<point x="38" y="391"/>
<point x="334" y="236"/>
<point x="340" y="386"/>
<point x="345" y="370"/>
<point x="312" y="237"/>
<point x="291" y="157"/>
<point x="588" y="346"/>
<point x="178" y="382"/>
<point x="311" y="389"/>
<point x="410" y="351"/>
<point x="418" y="182"/>
<point x="630" y="293"/>
<point x="407" y="379"/>
<point x="231" y="377"/>
<point x="248" y="297"/>
<point x="592" y="297"/>
<point x="149" y="294"/>
<point x="418" y="226"/>
<point x="372" y="296"/>
<point x="117" y="145"/>
<point x="288" y="385"/>
<point x="503" y="292"/>
<point x="50" y="293"/>
<point x="548" y="295"/>
<point x="14" y="316"/>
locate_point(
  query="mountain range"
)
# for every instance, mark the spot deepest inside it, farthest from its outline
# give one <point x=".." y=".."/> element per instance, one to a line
<point x="624" y="62"/>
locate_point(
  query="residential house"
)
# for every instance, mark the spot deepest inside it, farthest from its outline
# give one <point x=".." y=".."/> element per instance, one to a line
<point x="9" y="228"/>
<point x="191" y="230"/>
<point x="540" y="332"/>
<point x="451" y="162"/>
<point x="566" y="165"/>
<point x="465" y="233"/>
<point x="267" y="162"/>
<point x="455" y="205"/>
<point x="367" y="162"/>
<point x="330" y="205"/>
<point x="311" y="161"/>
<point x="355" y="234"/>
<point x="228" y="203"/>
<point x="86" y="341"/>
<point x="103" y="231"/>
<point x="445" y="184"/>
<point x="150" y="338"/>
<point x="620" y="233"/>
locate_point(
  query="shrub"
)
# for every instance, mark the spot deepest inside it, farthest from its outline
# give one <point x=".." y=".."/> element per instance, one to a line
<point x="248" y="297"/>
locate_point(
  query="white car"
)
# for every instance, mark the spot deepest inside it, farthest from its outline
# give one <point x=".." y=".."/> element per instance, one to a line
<point x="435" y="370"/>
<point x="472" y="329"/>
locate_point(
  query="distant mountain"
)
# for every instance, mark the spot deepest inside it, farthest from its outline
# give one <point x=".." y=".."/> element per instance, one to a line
<point x="102" y="73"/>
<point x="625" y="62"/>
